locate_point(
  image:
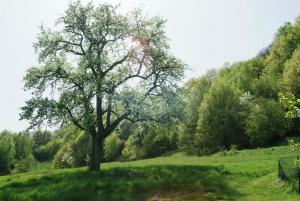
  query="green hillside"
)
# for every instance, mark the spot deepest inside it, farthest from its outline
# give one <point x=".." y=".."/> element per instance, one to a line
<point x="232" y="175"/>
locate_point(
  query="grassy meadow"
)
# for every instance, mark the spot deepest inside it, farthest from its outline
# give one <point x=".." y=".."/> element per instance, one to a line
<point x="235" y="175"/>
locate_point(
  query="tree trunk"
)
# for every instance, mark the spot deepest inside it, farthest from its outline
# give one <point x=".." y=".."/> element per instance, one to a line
<point x="96" y="155"/>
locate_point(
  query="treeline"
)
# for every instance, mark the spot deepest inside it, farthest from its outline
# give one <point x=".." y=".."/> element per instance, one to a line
<point x="71" y="147"/>
<point x="238" y="106"/>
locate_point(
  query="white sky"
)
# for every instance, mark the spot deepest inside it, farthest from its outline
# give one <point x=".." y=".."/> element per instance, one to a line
<point x="203" y="33"/>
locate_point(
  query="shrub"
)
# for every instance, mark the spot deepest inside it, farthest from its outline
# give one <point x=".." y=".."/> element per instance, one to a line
<point x="196" y="88"/>
<point x="219" y="124"/>
<point x="266" y="123"/>
<point x="69" y="133"/>
<point x="112" y="145"/>
<point x="291" y="73"/>
<point x="132" y="150"/>
<point x="25" y="164"/>
<point x="23" y="145"/>
<point x="41" y="138"/>
<point x="80" y="150"/>
<point x="186" y="139"/>
<point x="48" y="151"/>
<point x="74" y="153"/>
<point x="63" y="158"/>
<point x="155" y="144"/>
<point x="42" y="154"/>
<point x="7" y="152"/>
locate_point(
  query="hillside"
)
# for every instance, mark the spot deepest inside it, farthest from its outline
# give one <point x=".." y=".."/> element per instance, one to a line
<point x="236" y="175"/>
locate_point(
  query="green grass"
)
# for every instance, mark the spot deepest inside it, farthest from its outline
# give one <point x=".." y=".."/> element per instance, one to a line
<point x="244" y="175"/>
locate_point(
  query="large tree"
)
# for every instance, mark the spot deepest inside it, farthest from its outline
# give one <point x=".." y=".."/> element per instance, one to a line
<point x="196" y="90"/>
<point x="219" y="125"/>
<point x="97" y="68"/>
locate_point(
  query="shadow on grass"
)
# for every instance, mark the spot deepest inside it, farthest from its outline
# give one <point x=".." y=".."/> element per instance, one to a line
<point x="120" y="184"/>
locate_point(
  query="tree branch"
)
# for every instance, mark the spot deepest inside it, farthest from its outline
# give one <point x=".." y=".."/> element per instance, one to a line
<point x="73" y="119"/>
<point x="115" y="64"/>
<point x="112" y="126"/>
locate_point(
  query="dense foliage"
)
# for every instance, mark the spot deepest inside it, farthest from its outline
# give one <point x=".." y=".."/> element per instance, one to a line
<point x="7" y="152"/>
<point x="75" y="149"/>
<point x="112" y="147"/>
<point x="241" y="106"/>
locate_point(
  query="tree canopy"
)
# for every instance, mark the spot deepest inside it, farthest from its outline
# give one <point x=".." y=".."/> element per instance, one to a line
<point x="97" y="68"/>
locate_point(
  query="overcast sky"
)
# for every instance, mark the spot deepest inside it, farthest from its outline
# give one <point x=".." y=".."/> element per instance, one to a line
<point x="203" y="33"/>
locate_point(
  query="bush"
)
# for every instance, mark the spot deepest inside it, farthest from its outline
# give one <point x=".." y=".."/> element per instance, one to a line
<point x="219" y="124"/>
<point x="186" y="139"/>
<point x="48" y="151"/>
<point x="196" y="88"/>
<point x="7" y="152"/>
<point x="155" y="144"/>
<point x="42" y="154"/>
<point x="41" y="138"/>
<point x="69" y="133"/>
<point x="63" y="158"/>
<point x="132" y="150"/>
<point x="74" y="153"/>
<point x="25" y="164"/>
<point x="112" y="145"/>
<point x="80" y="150"/>
<point x="291" y="73"/>
<point x="154" y="140"/>
<point x="23" y="145"/>
<point x="266" y="123"/>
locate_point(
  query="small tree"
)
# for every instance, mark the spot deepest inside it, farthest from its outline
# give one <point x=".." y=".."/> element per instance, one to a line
<point x="219" y="125"/>
<point x="7" y="152"/>
<point x="291" y="104"/>
<point x="291" y="73"/>
<point x="112" y="147"/>
<point x="196" y="89"/>
<point x="23" y="145"/>
<point x="99" y="68"/>
<point x="41" y="138"/>
<point x="266" y="123"/>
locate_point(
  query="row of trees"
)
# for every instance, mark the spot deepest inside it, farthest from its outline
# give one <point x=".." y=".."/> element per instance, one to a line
<point x="239" y="104"/>
<point x="71" y="147"/>
<point x="17" y="150"/>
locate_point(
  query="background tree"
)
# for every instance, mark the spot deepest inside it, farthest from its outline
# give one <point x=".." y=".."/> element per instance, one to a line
<point x="265" y="124"/>
<point x="291" y="104"/>
<point x="219" y="125"/>
<point x="112" y="147"/>
<point x="291" y="73"/>
<point x="196" y="89"/>
<point x="47" y="152"/>
<point x="23" y="145"/>
<point x="7" y="152"/>
<point x="41" y="138"/>
<point x="99" y="68"/>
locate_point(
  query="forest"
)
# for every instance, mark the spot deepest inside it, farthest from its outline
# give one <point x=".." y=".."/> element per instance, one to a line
<point x="99" y="117"/>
